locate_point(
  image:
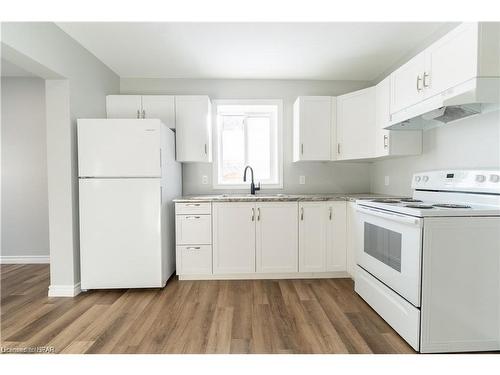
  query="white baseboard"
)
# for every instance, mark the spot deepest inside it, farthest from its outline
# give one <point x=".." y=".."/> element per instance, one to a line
<point x="24" y="259"/>
<point x="263" y="276"/>
<point x="64" y="290"/>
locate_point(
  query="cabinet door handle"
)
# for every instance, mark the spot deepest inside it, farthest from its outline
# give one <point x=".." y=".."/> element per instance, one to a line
<point x="205" y="149"/>
<point x="386" y="139"/>
<point x="253" y="214"/>
<point x="338" y="148"/>
<point x="419" y="79"/>
<point x="192" y="217"/>
<point x="258" y="214"/>
<point x="302" y="149"/>
<point x="193" y="248"/>
<point x="138" y="114"/>
<point x="301" y="213"/>
<point x="192" y="204"/>
<point x="143" y="113"/>
<point x="425" y="79"/>
<point x="330" y="213"/>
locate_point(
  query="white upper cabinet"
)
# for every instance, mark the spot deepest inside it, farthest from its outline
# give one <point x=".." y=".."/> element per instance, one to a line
<point x="234" y="237"/>
<point x="124" y="106"/>
<point x="142" y="106"/>
<point x="356" y="125"/>
<point x="276" y="237"/>
<point x="193" y="128"/>
<point x="312" y="127"/>
<point x="470" y="50"/>
<point x="407" y="87"/>
<point x="159" y="106"/>
<point x="392" y="142"/>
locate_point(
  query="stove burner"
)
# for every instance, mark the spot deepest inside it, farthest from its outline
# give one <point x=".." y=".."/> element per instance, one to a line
<point x="450" y="205"/>
<point x="381" y="200"/>
<point x="422" y="206"/>
<point x="410" y="200"/>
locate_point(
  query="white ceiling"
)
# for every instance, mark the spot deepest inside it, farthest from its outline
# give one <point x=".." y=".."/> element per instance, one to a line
<point x="336" y="51"/>
<point x="11" y="70"/>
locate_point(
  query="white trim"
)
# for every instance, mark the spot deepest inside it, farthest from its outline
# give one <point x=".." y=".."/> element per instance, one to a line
<point x="64" y="290"/>
<point x="24" y="259"/>
<point x="215" y="164"/>
<point x="263" y="276"/>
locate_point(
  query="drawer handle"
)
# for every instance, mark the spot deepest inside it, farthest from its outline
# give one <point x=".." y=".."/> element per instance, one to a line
<point x="192" y="217"/>
<point x="192" y="204"/>
<point x="193" y="248"/>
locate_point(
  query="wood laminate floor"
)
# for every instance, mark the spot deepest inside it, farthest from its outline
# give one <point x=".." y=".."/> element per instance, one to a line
<point x="256" y="316"/>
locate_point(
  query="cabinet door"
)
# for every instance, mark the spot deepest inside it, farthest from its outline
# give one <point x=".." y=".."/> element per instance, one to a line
<point x="312" y="128"/>
<point x="313" y="217"/>
<point x="193" y="128"/>
<point x="336" y="243"/>
<point x="234" y="237"/>
<point x="123" y="106"/>
<point x="452" y="59"/>
<point x="159" y="106"/>
<point x="407" y="86"/>
<point x="277" y="237"/>
<point x="382" y="113"/>
<point x="356" y="124"/>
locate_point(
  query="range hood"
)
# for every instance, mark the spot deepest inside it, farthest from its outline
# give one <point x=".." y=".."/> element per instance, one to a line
<point x="476" y="96"/>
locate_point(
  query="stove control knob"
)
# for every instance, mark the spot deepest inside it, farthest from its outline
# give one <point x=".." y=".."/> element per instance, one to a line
<point x="417" y="178"/>
<point x="480" y="178"/>
<point x="425" y="178"/>
<point x="494" y="178"/>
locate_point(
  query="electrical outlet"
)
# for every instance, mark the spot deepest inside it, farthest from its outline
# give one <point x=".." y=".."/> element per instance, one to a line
<point x="386" y="180"/>
<point x="302" y="180"/>
<point x="204" y="180"/>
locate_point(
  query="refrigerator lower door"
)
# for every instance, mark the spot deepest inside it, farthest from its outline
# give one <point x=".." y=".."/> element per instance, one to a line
<point x="119" y="148"/>
<point x="120" y="233"/>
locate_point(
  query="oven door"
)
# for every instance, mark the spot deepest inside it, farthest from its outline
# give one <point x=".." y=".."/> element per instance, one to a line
<point x="391" y="249"/>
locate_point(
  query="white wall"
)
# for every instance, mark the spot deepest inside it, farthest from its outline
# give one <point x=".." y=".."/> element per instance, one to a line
<point x="25" y="217"/>
<point x="79" y="90"/>
<point x="321" y="177"/>
<point x="469" y="143"/>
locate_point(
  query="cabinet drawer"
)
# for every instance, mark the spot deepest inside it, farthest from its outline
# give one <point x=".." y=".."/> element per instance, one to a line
<point x="193" y="208"/>
<point x="193" y="229"/>
<point x="194" y="259"/>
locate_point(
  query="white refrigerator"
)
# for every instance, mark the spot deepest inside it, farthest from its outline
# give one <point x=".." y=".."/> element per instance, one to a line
<point x="128" y="177"/>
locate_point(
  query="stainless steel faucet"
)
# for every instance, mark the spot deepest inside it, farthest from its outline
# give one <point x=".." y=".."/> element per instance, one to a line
<point x="253" y="189"/>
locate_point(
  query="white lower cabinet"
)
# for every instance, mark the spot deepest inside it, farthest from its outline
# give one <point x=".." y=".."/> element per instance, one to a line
<point x="277" y="237"/>
<point x="234" y="237"/>
<point x="255" y="239"/>
<point x="322" y="236"/>
<point x="354" y="237"/>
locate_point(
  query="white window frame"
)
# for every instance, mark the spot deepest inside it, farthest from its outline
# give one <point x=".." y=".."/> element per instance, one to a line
<point x="217" y="143"/>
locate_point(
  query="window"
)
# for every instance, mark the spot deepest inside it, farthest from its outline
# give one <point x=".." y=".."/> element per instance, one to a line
<point x="248" y="132"/>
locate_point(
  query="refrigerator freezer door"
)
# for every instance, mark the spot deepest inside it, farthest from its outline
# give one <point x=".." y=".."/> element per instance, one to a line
<point x="119" y="148"/>
<point x="120" y="238"/>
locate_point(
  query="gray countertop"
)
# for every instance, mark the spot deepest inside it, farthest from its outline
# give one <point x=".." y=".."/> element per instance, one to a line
<point x="280" y="197"/>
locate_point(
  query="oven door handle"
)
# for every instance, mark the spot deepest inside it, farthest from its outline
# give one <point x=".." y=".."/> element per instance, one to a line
<point x="391" y="216"/>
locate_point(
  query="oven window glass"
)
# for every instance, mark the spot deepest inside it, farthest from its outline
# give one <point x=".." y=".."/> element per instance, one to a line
<point x="384" y="245"/>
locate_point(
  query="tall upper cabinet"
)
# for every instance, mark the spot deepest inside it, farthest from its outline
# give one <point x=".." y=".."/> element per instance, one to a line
<point x="312" y="127"/>
<point x="356" y="125"/>
<point x="142" y="106"/>
<point x="193" y="128"/>
<point x="470" y="50"/>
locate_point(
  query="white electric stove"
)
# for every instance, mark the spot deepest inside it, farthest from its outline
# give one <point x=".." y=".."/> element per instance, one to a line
<point x="430" y="264"/>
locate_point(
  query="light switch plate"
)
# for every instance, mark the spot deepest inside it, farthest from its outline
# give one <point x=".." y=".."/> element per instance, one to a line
<point x="302" y="180"/>
<point x="386" y="180"/>
<point x="204" y="180"/>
